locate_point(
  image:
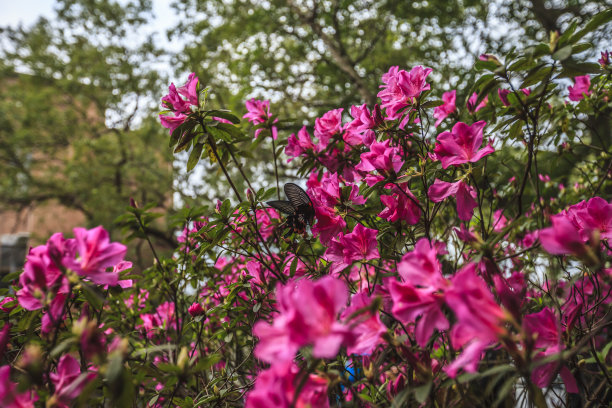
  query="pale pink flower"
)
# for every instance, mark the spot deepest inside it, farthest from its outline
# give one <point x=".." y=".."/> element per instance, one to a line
<point x="462" y="145"/>
<point x="441" y="112"/>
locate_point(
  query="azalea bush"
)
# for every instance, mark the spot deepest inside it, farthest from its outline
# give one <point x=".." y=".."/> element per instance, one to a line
<point x="458" y="256"/>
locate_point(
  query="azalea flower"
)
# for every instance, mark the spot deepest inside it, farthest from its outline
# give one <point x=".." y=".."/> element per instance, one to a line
<point x="400" y="205"/>
<point x="307" y="315"/>
<point x="299" y="145"/>
<point x="441" y="112"/>
<point x="463" y="192"/>
<point x="276" y="387"/>
<point x="381" y="157"/>
<point x="327" y="126"/>
<point x="367" y="325"/>
<point x="471" y="103"/>
<point x="69" y="381"/>
<point x="580" y="88"/>
<point x="9" y="396"/>
<point x="259" y="113"/>
<point x="95" y="254"/>
<point x="461" y="145"/>
<point x="401" y="88"/>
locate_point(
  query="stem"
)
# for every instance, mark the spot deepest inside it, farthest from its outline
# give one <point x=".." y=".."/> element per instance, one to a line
<point x="227" y="176"/>
<point x="275" y="166"/>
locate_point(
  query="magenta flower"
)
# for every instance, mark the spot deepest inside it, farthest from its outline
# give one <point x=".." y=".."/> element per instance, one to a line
<point x="400" y="205"/>
<point x="461" y="145"/>
<point x="381" y="157"/>
<point x="307" y="315"/>
<point x="544" y="329"/>
<point x="327" y="126"/>
<point x="69" y="381"/>
<point x="441" y="112"/>
<point x="580" y="88"/>
<point x="592" y="215"/>
<point x="41" y="279"/>
<point x="479" y="318"/>
<point x="174" y="101"/>
<point x="604" y="61"/>
<point x="9" y="396"/>
<point x="360" y="244"/>
<point x="259" y="113"/>
<point x="276" y="387"/>
<point x="463" y="192"/>
<point x="54" y="314"/>
<point x="562" y="238"/>
<point x="366" y="325"/>
<point x="172" y="122"/>
<point x="401" y="88"/>
<point x="422" y="291"/>
<point x="196" y="309"/>
<point x="471" y="103"/>
<point x="190" y="89"/>
<point x="329" y="224"/>
<point x="299" y="145"/>
<point x="359" y="131"/>
<point x="96" y="254"/>
<point x="503" y="96"/>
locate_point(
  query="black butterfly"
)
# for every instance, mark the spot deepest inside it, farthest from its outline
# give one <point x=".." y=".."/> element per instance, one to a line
<point x="299" y="209"/>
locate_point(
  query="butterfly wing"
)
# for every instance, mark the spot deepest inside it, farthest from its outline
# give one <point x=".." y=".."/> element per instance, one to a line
<point x="300" y="200"/>
<point x="282" y="206"/>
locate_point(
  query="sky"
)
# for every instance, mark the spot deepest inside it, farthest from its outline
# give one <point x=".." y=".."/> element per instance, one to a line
<point x="26" y="12"/>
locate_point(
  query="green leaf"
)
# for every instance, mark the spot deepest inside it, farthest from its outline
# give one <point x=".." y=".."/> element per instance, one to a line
<point x="563" y="53"/>
<point x="597" y="21"/>
<point x="536" y="75"/>
<point x="421" y="393"/>
<point x="194" y="156"/>
<point x="231" y="129"/>
<point x="224" y="114"/>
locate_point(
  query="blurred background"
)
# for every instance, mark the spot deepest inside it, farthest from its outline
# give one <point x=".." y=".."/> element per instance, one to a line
<point x="81" y="81"/>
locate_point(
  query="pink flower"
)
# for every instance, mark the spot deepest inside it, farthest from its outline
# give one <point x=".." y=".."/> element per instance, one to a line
<point x="580" y="88"/>
<point x="471" y="103"/>
<point x="400" y="205"/>
<point x="329" y="224"/>
<point x="461" y="145"/>
<point x="41" y="280"/>
<point x="366" y="325"/>
<point x="276" y="387"/>
<point x="503" y="96"/>
<point x="307" y="315"/>
<point x="55" y="314"/>
<point x="259" y="113"/>
<point x="401" y="88"/>
<point x="4" y="338"/>
<point x="360" y="244"/>
<point x="359" y="131"/>
<point x="463" y="192"/>
<point x="421" y="292"/>
<point x="299" y="145"/>
<point x="9" y="397"/>
<point x="190" y="89"/>
<point x="479" y="318"/>
<point x="96" y="254"/>
<point x="562" y="238"/>
<point x="381" y="157"/>
<point x="543" y="328"/>
<point x="196" y="310"/>
<point x="174" y="101"/>
<point x="68" y="380"/>
<point x="604" y="61"/>
<point x="592" y="215"/>
<point x="441" y="112"/>
<point x="327" y="126"/>
<point x="7" y="304"/>
<point x="499" y="221"/>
